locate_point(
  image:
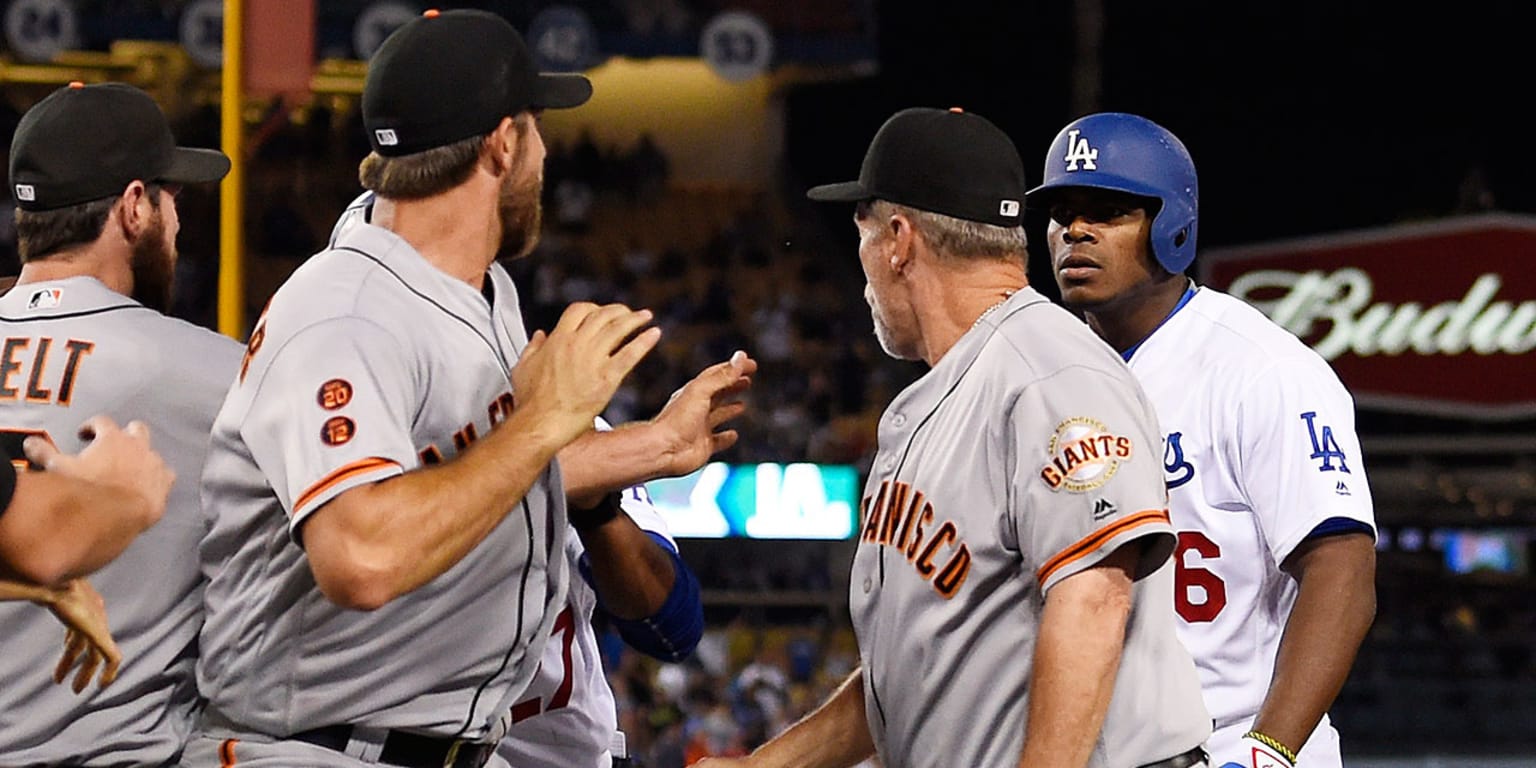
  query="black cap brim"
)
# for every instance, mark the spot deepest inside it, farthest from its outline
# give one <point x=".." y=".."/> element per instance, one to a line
<point x="561" y="91"/>
<point x="195" y="166"/>
<point x="846" y="192"/>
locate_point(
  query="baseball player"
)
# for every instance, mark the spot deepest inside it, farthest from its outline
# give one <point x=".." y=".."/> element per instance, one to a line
<point x="1010" y="588"/>
<point x="1275" y="565"/>
<point x="387" y="565"/>
<point x="568" y="719"/>
<point x="95" y="170"/>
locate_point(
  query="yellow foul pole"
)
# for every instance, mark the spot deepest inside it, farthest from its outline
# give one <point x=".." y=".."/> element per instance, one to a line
<point x="231" y="191"/>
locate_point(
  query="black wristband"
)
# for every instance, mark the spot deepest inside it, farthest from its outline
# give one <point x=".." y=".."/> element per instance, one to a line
<point x="607" y="509"/>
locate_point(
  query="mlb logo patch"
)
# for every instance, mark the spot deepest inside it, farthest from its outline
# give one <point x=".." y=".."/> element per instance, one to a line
<point x="1009" y="208"/>
<point x="386" y="137"/>
<point x="45" y="298"/>
<point x="26" y="192"/>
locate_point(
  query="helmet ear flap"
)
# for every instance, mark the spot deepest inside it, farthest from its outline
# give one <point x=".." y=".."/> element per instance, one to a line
<point x="1173" y="237"/>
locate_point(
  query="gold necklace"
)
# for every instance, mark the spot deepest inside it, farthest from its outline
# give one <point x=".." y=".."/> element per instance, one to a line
<point x="989" y="310"/>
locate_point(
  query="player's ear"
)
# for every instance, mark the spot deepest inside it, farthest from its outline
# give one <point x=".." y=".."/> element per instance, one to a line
<point x="502" y="145"/>
<point x="901" y="236"/>
<point x="134" y="209"/>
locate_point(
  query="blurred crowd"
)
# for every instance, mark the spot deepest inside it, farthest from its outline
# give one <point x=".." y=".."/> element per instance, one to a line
<point x="744" y="684"/>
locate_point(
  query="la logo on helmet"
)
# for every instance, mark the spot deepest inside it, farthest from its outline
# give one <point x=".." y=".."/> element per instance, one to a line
<point x="1079" y="151"/>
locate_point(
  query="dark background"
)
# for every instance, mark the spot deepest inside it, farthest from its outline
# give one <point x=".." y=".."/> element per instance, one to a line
<point x="1303" y="118"/>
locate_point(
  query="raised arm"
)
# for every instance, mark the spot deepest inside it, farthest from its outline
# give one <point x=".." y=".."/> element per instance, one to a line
<point x="377" y="541"/>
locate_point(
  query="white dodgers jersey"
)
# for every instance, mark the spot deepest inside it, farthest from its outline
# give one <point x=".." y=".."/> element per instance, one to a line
<point x="1259" y="448"/>
<point x="568" y="718"/>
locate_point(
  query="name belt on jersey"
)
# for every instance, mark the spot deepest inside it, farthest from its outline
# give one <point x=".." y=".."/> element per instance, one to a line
<point x="899" y="517"/>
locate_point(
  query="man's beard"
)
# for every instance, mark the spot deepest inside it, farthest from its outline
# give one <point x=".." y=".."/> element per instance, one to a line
<point x="153" y="264"/>
<point x="522" y="215"/>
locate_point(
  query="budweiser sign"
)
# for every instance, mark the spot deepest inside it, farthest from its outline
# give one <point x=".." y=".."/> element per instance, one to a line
<point x="1438" y="318"/>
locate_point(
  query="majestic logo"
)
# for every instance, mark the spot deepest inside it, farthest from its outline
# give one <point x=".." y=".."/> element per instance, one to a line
<point x="26" y="192"/>
<point x="1084" y="455"/>
<point x="1008" y="208"/>
<point x="1341" y="489"/>
<point x="1103" y="508"/>
<point x="386" y="137"/>
<point x="1078" y="151"/>
<point x="45" y="298"/>
<point x="1176" y="469"/>
<point x="1324" y="446"/>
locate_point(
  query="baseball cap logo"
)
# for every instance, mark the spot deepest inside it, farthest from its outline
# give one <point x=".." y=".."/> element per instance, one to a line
<point x="1008" y="208"/>
<point x="386" y="137"/>
<point x="1078" y="151"/>
<point x="26" y="192"/>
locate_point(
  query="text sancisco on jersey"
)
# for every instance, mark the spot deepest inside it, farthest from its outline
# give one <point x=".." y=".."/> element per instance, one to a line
<point x="1260" y="448"/>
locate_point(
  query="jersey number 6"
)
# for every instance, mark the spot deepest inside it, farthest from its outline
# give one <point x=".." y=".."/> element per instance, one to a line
<point x="1186" y="577"/>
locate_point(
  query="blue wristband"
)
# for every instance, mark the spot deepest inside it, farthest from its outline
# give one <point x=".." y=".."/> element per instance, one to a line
<point x="674" y="630"/>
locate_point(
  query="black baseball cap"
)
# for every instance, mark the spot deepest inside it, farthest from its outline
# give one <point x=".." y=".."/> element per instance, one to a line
<point x="450" y="75"/>
<point x="945" y="161"/>
<point x="87" y="142"/>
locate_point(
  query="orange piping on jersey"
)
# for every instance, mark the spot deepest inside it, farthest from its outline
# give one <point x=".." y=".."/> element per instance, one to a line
<point x="227" y="753"/>
<point x="1094" y="540"/>
<point x="341" y="474"/>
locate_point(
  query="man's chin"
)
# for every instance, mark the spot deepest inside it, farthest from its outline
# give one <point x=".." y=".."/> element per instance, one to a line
<point x="1082" y="298"/>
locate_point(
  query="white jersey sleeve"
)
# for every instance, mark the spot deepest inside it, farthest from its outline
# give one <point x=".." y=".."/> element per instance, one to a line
<point x="1296" y="454"/>
<point x="1087" y="477"/>
<point x="324" y="418"/>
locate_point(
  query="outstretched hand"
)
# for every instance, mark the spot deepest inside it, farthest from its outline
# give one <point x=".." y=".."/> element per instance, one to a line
<point x="692" y="419"/>
<point x="567" y="377"/>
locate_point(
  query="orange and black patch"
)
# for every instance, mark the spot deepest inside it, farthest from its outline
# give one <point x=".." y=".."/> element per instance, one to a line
<point x="337" y="430"/>
<point x="334" y="394"/>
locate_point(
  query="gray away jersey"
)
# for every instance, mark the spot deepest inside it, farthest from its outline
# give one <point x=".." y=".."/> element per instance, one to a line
<point x="1026" y="455"/>
<point x="73" y="349"/>
<point x="368" y="363"/>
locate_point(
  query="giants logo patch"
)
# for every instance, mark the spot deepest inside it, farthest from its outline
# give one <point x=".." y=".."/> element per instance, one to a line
<point x="1084" y="455"/>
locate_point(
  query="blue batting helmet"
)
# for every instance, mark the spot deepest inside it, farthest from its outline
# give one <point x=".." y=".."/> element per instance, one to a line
<point x="1127" y="153"/>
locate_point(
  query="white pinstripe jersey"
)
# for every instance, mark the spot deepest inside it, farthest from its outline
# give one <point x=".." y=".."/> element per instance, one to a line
<point x="369" y="362"/>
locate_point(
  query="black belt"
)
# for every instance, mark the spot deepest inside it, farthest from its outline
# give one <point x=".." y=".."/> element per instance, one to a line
<point x="407" y="749"/>
<point x="1196" y="756"/>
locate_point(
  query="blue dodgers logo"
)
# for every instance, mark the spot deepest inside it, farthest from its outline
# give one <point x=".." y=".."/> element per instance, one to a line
<point x="1176" y="469"/>
<point x="1324" y="446"/>
<point x="1084" y="455"/>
